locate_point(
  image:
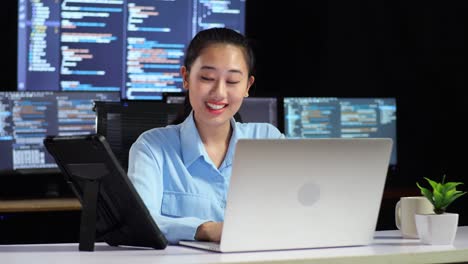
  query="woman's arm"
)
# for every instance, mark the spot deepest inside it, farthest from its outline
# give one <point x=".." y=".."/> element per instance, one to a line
<point x="146" y="175"/>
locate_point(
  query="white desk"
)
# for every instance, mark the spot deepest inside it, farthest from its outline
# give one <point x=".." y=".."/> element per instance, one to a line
<point x="388" y="247"/>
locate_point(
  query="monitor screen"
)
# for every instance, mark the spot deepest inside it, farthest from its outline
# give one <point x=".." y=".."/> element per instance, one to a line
<point x="122" y="122"/>
<point x="333" y="117"/>
<point x="132" y="46"/>
<point x="252" y="110"/>
<point x="259" y="110"/>
<point x="26" y="118"/>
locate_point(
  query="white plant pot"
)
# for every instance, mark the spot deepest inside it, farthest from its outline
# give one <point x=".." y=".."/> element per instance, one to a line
<point x="437" y="229"/>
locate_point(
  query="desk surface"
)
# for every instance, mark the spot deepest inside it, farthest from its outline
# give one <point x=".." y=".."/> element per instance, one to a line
<point x="39" y="205"/>
<point x="388" y="247"/>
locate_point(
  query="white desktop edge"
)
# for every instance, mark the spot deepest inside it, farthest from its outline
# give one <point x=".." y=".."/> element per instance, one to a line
<point x="388" y="247"/>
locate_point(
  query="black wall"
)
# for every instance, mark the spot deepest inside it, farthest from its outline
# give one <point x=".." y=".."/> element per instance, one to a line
<point x="415" y="51"/>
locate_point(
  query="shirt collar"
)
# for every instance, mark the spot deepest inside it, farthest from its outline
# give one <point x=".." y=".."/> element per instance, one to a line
<point x="192" y="146"/>
<point x="232" y="145"/>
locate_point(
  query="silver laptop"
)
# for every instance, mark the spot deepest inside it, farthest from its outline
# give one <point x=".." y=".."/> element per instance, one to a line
<point x="303" y="193"/>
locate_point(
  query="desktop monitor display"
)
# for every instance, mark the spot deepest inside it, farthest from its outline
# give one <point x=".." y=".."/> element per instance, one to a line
<point x="333" y="117"/>
<point x="26" y="118"/>
<point x="260" y="109"/>
<point x="122" y="122"/>
<point x="132" y="46"/>
<point x="252" y="110"/>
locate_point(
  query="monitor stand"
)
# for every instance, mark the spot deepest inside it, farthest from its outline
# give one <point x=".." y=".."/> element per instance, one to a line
<point x="91" y="175"/>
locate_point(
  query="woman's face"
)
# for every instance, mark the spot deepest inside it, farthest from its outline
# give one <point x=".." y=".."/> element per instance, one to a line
<point x="218" y="81"/>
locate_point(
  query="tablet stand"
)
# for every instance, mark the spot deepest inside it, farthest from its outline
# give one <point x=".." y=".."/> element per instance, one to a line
<point x="90" y="174"/>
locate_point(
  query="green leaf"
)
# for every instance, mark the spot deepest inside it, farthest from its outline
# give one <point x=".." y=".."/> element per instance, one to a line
<point x="425" y="192"/>
<point x="451" y="185"/>
<point x="448" y="197"/>
<point x="432" y="183"/>
<point x="438" y="198"/>
<point x="451" y="192"/>
<point x="454" y="197"/>
<point x="443" y="200"/>
<point x="442" y="194"/>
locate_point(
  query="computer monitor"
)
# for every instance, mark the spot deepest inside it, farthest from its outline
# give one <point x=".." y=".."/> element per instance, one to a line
<point x="26" y="118"/>
<point x="259" y="110"/>
<point x="334" y="117"/>
<point x="122" y="122"/>
<point x="132" y="46"/>
<point x="252" y="110"/>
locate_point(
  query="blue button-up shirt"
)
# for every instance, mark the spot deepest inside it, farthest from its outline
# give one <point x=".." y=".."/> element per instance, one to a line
<point x="177" y="180"/>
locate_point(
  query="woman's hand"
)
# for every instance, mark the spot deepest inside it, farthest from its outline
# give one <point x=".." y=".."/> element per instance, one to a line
<point x="209" y="231"/>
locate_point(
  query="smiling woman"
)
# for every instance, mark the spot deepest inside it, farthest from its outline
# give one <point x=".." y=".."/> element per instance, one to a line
<point x="182" y="171"/>
<point x="218" y="80"/>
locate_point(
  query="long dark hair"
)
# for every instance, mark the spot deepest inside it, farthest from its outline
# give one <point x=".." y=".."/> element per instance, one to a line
<point x="211" y="36"/>
<point x="206" y="38"/>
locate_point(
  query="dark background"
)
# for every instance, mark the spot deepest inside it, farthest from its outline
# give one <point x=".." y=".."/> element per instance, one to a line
<point x="415" y="51"/>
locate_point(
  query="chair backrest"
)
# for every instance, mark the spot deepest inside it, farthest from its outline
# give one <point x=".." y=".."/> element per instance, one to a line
<point x="122" y="122"/>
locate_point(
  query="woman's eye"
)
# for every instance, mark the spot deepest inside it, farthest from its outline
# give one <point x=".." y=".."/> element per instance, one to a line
<point x="232" y="82"/>
<point x="206" y="78"/>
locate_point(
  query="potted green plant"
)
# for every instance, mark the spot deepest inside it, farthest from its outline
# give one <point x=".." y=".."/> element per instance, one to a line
<point x="440" y="227"/>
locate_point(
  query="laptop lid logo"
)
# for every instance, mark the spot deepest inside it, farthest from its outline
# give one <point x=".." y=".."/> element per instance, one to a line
<point x="308" y="194"/>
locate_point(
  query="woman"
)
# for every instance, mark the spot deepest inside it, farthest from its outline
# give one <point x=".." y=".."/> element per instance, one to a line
<point x="182" y="171"/>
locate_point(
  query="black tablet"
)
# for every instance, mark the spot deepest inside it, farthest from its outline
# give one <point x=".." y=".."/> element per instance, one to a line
<point x="112" y="210"/>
